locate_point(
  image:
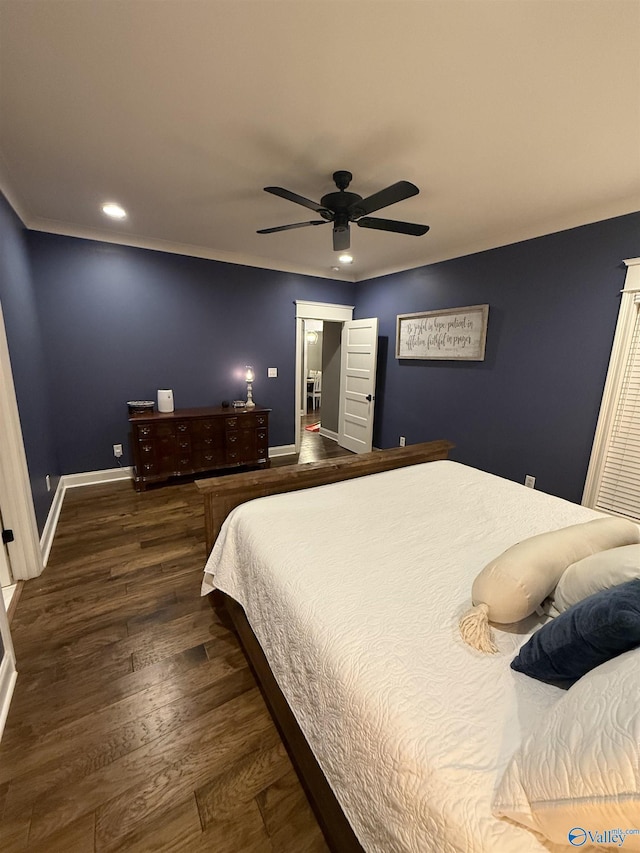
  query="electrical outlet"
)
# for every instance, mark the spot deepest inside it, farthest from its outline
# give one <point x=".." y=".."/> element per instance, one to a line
<point x="403" y="441"/>
<point x="47" y="480"/>
<point x="530" y="481"/>
<point x="117" y="450"/>
<point x="272" y="372"/>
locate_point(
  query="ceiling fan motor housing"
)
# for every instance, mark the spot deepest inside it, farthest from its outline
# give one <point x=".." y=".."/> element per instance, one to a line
<point x="339" y="202"/>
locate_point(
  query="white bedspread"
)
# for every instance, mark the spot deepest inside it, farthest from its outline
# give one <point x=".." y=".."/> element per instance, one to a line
<point x="354" y="591"/>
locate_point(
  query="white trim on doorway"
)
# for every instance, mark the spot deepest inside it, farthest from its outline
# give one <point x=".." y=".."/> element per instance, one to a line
<point x="8" y="676"/>
<point x="328" y="433"/>
<point x="328" y="311"/>
<point x="618" y="364"/>
<point x="16" y="499"/>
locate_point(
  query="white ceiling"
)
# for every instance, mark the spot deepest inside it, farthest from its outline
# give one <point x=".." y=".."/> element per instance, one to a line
<point x="515" y="118"/>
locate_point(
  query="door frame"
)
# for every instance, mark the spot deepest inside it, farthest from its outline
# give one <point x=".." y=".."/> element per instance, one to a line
<point x="8" y="673"/>
<point x="329" y="311"/>
<point x="18" y="514"/>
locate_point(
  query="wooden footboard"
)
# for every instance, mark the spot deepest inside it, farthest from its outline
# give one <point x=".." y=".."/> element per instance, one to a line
<point x="222" y="494"/>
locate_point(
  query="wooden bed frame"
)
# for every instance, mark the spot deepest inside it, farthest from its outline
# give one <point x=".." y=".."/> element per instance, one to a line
<point x="223" y="494"/>
<point x="220" y="497"/>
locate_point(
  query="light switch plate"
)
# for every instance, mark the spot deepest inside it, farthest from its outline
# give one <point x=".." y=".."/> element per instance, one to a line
<point x="272" y="372"/>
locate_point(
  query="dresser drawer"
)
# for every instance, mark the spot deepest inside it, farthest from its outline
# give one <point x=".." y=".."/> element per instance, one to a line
<point x="204" y="427"/>
<point x="147" y="450"/>
<point x="184" y="462"/>
<point x="159" y="430"/>
<point x="206" y="461"/>
<point x="243" y="421"/>
<point x="143" y="431"/>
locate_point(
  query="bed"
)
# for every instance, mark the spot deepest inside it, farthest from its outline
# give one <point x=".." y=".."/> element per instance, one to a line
<point x="353" y="591"/>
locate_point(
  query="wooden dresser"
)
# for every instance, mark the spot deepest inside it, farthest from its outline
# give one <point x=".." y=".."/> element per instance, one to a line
<point x="191" y="441"/>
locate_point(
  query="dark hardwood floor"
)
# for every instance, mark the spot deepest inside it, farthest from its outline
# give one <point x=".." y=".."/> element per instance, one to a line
<point x="136" y="724"/>
<point x="313" y="446"/>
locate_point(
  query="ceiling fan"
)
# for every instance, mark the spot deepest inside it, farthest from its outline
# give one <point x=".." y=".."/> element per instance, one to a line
<point x="343" y="207"/>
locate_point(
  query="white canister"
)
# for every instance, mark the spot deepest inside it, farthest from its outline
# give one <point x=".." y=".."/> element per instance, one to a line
<point x="165" y="401"/>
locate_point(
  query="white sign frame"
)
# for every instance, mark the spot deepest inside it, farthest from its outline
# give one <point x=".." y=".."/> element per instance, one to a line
<point x="451" y="334"/>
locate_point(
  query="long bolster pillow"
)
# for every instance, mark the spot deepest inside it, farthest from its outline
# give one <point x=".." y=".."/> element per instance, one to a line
<point x="513" y="585"/>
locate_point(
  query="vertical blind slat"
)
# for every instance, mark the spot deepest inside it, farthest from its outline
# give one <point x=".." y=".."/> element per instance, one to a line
<point x="619" y="489"/>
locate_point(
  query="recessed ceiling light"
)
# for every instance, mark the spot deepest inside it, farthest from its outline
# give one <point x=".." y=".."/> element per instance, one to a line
<point x="346" y="259"/>
<point x="114" y="210"/>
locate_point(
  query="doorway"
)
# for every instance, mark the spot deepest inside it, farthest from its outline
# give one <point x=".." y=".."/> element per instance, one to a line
<point x="328" y="318"/>
<point x="354" y="357"/>
<point x="312" y="357"/>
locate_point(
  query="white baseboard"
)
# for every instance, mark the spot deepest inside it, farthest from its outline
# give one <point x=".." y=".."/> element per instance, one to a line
<point x="93" y="478"/>
<point x="70" y="481"/>
<point x="8" y="676"/>
<point x="46" y="540"/>
<point x="328" y="433"/>
<point x="282" y="450"/>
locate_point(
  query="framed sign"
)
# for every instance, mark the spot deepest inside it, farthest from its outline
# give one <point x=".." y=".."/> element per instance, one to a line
<point x="453" y="334"/>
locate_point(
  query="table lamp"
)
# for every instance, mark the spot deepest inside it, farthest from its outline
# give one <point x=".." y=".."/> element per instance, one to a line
<point x="249" y="376"/>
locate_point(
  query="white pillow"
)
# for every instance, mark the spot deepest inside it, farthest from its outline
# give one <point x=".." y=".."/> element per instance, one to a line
<point x="599" y="571"/>
<point x="513" y="585"/>
<point x="578" y="770"/>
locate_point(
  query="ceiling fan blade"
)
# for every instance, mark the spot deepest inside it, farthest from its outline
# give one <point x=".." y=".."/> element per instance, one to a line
<point x="341" y="238"/>
<point x="390" y="195"/>
<point x="289" y="227"/>
<point x="393" y="225"/>
<point x="299" y="199"/>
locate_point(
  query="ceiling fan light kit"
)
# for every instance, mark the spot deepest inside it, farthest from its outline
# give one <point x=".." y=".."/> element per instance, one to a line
<point x="342" y="208"/>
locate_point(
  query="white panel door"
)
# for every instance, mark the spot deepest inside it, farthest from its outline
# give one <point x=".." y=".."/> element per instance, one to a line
<point x="358" y="384"/>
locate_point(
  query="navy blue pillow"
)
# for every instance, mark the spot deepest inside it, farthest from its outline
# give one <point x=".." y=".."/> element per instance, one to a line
<point x="589" y="633"/>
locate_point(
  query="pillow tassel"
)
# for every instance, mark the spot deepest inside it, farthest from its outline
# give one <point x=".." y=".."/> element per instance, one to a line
<point x="475" y="630"/>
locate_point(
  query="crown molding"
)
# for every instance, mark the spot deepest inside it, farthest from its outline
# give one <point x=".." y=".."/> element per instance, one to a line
<point x="53" y="226"/>
<point x="577" y="219"/>
<point x="6" y="190"/>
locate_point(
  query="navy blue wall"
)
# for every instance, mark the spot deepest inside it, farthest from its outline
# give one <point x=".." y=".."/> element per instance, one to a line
<point x="531" y="407"/>
<point x="119" y="323"/>
<point x="27" y="363"/>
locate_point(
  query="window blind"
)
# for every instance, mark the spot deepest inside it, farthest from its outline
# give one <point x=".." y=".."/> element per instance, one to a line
<point x="619" y="489"/>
